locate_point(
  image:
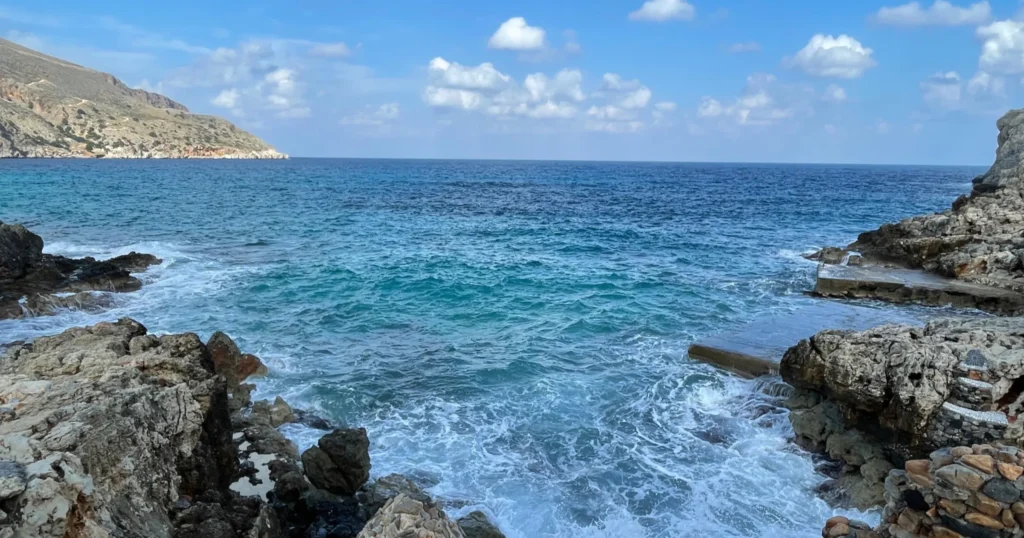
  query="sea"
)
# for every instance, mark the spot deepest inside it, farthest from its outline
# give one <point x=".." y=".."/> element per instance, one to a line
<point x="511" y="334"/>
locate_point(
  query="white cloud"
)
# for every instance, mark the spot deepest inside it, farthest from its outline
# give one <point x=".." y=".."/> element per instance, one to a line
<point x="749" y="46"/>
<point x="828" y="56"/>
<point x="763" y="102"/>
<point x="481" y="77"/>
<point x="515" y="34"/>
<point x="940" y="13"/>
<point x="572" y="45"/>
<point x="330" y="50"/>
<point x="226" y="99"/>
<point x="882" y="127"/>
<point x="834" y="93"/>
<point x="484" y="88"/>
<point x="1002" y="48"/>
<point x="664" y="10"/>
<point x="628" y="94"/>
<point x="374" y="117"/>
<point x="982" y="84"/>
<point x="665" y="106"/>
<point x="942" y="89"/>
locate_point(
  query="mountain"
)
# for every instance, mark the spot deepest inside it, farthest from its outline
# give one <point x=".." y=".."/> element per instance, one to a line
<point x="53" y="108"/>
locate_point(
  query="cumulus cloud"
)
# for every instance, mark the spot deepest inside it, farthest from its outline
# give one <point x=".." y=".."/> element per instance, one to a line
<point x="515" y="34"/>
<point x="664" y="10"/>
<point x="834" y="93"/>
<point x="749" y="46"/>
<point x="984" y="84"/>
<point x="227" y="99"/>
<point x="1002" y="48"/>
<point x="940" y="13"/>
<point x="828" y="56"/>
<point x="484" y="88"/>
<point x="947" y="90"/>
<point x="763" y="102"/>
<point x="330" y="50"/>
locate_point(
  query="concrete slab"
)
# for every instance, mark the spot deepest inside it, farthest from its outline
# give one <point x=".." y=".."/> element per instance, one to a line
<point x="756" y="348"/>
<point x="908" y="285"/>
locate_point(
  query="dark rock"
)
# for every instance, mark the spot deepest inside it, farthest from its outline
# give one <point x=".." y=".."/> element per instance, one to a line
<point x="1001" y="490"/>
<point x="20" y="249"/>
<point x="134" y="262"/>
<point x="969" y="530"/>
<point x="12" y="479"/>
<point x="476" y="525"/>
<point x="341" y="461"/>
<point x="375" y="495"/>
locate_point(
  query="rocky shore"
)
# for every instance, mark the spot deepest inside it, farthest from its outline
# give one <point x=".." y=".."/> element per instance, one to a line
<point x="110" y="431"/>
<point x="924" y="421"/>
<point x="33" y="283"/>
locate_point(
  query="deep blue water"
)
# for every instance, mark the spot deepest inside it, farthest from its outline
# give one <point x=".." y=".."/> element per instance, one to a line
<point x="512" y="334"/>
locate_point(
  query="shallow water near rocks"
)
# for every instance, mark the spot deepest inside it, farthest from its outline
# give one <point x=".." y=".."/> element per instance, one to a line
<point x="512" y="334"/>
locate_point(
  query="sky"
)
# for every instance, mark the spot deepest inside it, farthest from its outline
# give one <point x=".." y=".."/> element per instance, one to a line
<point x="661" y="80"/>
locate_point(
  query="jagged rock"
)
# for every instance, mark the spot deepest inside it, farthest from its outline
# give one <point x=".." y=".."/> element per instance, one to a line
<point x="111" y="439"/>
<point x="229" y="362"/>
<point x="25" y="272"/>
<point x="981" y="238"/>
<point x="476" y="525"/>
<point x="404" y="516"/>
<point x="340" y="463"/>
<point x="915" y="384"/>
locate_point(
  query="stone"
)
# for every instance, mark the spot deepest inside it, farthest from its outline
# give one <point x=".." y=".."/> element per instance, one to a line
<point x="960" y="476"/>
<point x="404" y="517"/>
<point x="985" y="504"/>
<point x="1007" y="519"/>
<point x="1017" y="507"/>
<point x="939" y="531"/>
<point x="961" y="451"/>
<point x="106" y="440"/>
<point x="477" y="525"/>
<point x="983" y="520"/>
<point x="841" y="529"/>
<point x="941" y="457"/>
<point x="918" y="466"/>
<point x="1010" y="471"/>
<point x="1001" y="490"/>
<point x="250" y="365"/>
<point x="982" y="463"/>
<point x="281" y="413"/>
<point x="953" y="508"/>
<point x="349" y="449"/>
<point x="12" y="479"/>
<point x="375" y="495"/>
<point x="909" y="520"/>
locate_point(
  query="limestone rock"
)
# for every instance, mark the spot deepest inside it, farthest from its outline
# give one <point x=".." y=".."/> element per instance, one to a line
<point x="12" y="479"/>
<point x="110" y="438"/>
<point x="404" y="517"/>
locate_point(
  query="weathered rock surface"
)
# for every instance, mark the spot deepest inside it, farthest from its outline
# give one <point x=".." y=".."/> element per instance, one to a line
<point x="981" y="238"/>
<point x="404" y="516"/>
<point x="53" y="108"/>
<point x="111" y="434"/>
<point x="879" y="397"/>
<point x="33" y="283"/>
<point x="476" y="525"/>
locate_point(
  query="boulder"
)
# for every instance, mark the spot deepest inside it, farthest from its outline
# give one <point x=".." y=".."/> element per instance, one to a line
<point x="229" y="362"/>
<point x="340" y="463"/>
<point x="476" y="525"/>
<point x="20" y="249"/>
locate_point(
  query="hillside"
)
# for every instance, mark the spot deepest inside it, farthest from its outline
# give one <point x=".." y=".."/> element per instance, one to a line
<point x="53" y="108"/>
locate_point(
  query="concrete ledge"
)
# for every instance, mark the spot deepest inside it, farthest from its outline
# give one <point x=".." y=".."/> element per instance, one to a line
<point x="756" y="348"/>
<point x="907" y="285"/>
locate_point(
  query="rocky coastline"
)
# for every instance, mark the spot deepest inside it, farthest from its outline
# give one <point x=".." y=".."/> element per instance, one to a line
<point x="111" y="431"/>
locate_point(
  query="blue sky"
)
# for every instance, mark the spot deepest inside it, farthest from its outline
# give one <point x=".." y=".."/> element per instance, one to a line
<point x="794" y="81"/>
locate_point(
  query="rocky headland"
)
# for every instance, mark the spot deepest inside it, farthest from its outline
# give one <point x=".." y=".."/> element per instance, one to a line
<point x="33" y="283"/>
<point x="110" y="431"/>
<point x="925" y="421"/>
<point x="53" y="108"/>
<point x="978" y="241"/>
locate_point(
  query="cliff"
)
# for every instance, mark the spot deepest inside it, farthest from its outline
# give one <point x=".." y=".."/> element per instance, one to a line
<point x="53" y="108"/>
<point x="981" y="238"/>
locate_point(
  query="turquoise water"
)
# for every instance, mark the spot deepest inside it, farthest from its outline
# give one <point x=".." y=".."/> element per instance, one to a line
<point x="512" y="334"/>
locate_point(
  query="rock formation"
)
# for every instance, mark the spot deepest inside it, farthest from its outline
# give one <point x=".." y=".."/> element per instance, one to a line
<point x="881" y="396"/>
<point x="33" y="283"/>
<point x="980" y="239"/>
<point x="53" y="108"/>
<point x="110" y="431"/>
